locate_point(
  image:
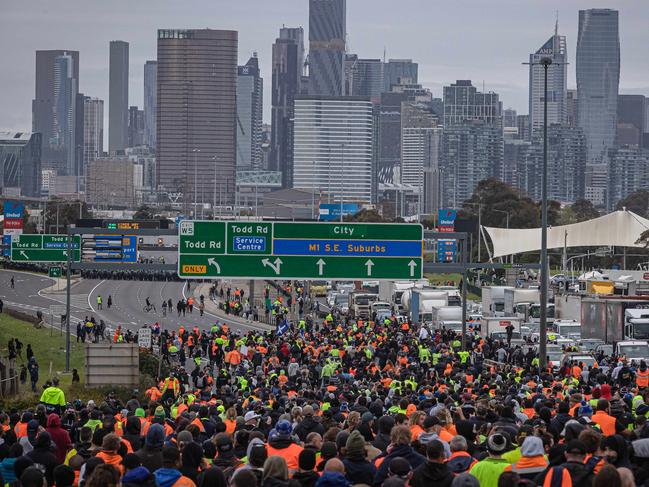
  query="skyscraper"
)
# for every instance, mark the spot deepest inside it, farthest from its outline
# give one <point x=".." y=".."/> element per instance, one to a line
<point x="150" y="102"/>
<point x="288" y="66"/>
<point x="20" y="164"/>
<point x="333" y="147"/>
<point x="396" y="69"/>
<point x="135" y="127"/>
<point x="250" y="106"/>
<point x="118" y="97"/>
<point x="327" y="31"/>
<point x="197" y="83"/>
<point x="93" y="129"/>
<point x="471" y="151"/>
<point x="631" y="114"/>
<point x="463" y="102"/>
<point x="363" y="77"/>
<point x="572" y="108"/>
<point x="420" y="151"/>
<point x="598" y="79"/>
<point x="555" y="49"/>
<point x="628" y="172"/>
<point x="54" y="113"/>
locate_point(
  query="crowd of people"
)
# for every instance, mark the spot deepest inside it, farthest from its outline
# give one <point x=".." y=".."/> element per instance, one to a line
<point x="342" y="403"/>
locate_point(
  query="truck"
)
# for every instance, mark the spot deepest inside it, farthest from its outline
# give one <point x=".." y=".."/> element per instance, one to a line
<point x="423" y="295"/>
<point x="568" y="328"/>
<point x="495" y="326"/>
<point x="448" y="317"/>
<point x="518" y="302"/>
<point x="359" y="304"/>
<point x="493" y="300"/>
<point x="535" y="313"/>
<point x="621" y="323"/>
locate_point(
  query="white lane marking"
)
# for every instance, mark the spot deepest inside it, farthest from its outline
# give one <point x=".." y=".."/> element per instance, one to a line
<point x="92" y="291"/>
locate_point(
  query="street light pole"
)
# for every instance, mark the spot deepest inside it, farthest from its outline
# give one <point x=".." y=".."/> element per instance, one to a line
<point x="545" y="62"/>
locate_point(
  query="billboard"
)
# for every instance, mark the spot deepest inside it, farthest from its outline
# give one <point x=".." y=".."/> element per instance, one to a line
<point x="14" y="210"/>
<point x="331" y="211"/>
<point x="446" y="248"/>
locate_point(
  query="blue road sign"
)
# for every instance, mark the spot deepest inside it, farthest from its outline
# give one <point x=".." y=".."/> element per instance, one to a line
<point x="446" y="250"/>
<point x="6" y="245"/>
<point x="115" y="248"/>
<point x="347" y="248"/>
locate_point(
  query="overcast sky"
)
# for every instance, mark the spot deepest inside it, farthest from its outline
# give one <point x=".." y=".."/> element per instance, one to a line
<point x="482" y="40"/>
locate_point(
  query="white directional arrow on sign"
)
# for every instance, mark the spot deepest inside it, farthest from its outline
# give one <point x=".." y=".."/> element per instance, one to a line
<point x="369" y="264"/>
<point x="24" y="254"/>
<point x="321" y="263"/>
<point x="276" y="267"/>
<point x="211" y="261"/>
<point x="412" y="264"/>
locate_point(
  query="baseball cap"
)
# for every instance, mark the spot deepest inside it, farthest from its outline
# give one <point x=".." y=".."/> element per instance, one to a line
<point x="284" y="427"/>
<point x="399" y="466"/>
<point x="430" y="421"/>
<point x="250" y="415"/>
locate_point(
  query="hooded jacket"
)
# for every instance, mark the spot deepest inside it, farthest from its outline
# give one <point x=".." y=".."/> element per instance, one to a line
<point x="138" y="477"/>
<point x="171" y="477"/>
<point x="60" y="437"/>
<point x="332" y="479"/>
<point x="432" y="473"/>
<point x="308" y="425"/>
<point x="306" y="479"/>
<point x="42" y="454"/>
<point x="404" y="451"/>
<point x="358" y="470"/>
<point x="460" y="462"/>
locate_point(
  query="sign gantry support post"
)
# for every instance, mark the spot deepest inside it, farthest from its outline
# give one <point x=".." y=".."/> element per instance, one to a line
<point x="68" y="273"/>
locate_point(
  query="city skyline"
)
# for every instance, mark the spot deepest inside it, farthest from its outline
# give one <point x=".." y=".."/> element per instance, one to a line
<point x="368" y="33"/>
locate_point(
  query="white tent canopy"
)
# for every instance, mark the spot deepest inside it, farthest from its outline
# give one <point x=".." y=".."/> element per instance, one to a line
<point x="620" y="228"/>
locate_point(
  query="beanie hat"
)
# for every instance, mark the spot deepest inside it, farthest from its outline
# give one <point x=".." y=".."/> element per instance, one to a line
<point x="139" y="412"/>
<point x="496" y="443"/>
<point x="160" y="412"/>
<point x="155" y="437"/>
<point x="284" y="427"/>
<point x="355" y="444"/>
<point x="465" y="480"/>
<point x="585" y="409"/>
<point x="306" y="460"/>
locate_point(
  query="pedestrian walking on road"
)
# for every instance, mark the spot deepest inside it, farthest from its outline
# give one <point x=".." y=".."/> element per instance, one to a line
<point x="2" y="305"/>
<point x="110" y="301"/>
<point x="12" y="282"/>
<point x="99" y="301"/>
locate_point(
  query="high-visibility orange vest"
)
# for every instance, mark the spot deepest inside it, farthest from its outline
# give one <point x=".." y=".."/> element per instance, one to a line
<point x="20" y="429"/>
<point x="605" y="422"/>
<point x="642" y="378"/>
<point x="199" y="424"/>
<point x="290" y="454"/>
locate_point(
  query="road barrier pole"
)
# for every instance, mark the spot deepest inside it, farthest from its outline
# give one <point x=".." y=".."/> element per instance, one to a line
<point x="67" y="305"/>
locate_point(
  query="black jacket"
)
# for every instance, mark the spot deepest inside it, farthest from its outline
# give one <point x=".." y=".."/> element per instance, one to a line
<point x="581" y="475"/>
<point x="432" y="473"/>
<point x="359" y="471"/>
<point x="308" y="425"/>
<point x="306" y="479"/>
<point x="43" y="456"/>
<point x="381" y="441"/>
<point x="404" y="451"/>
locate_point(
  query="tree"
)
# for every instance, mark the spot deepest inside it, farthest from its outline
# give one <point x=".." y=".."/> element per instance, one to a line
<point x="636" y="202"/>
<point x="143" y="213"/>
<point x="580" y="211"/>
<point x="365" y="216"/>
<point x="63" y="213"/>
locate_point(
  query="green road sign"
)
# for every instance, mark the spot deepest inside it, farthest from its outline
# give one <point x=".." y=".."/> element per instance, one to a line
<point x="54" y="271"/>
<point x="44" y="248"/>
<point x="283" y="250"/>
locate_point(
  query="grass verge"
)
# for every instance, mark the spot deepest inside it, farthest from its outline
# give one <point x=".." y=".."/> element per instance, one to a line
<point x="49" y="350"/>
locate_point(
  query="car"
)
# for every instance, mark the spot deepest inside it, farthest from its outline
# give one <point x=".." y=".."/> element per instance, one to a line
<point x="590" y="344"/>
<point x="587" y="360"/>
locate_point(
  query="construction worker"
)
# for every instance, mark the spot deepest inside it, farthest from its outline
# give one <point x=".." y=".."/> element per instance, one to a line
<point x="53" y="398"/>
<point x="170" y="388"/>
<point x="99" y="301"/>
<point x="642" y="376"/>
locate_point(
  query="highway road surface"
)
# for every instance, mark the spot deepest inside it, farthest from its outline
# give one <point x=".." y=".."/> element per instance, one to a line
<point x="33" y="293"/>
